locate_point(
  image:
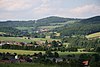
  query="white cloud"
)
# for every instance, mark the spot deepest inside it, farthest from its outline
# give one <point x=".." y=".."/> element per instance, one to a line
<point x="24" y="9"/>
<point x="79" y="11"/>
<point x="12" y="5"/>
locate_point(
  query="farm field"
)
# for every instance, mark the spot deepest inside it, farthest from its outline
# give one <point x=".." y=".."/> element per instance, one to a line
<point x="32" y="52"/>
<point x="24" y="39"/>
<point x="2" y="33"/>
<point x="93" y="35"/>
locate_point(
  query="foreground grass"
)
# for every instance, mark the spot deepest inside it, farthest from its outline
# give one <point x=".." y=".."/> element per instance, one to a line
<point x="32" y="52"/>
<point x="26" y="65"/>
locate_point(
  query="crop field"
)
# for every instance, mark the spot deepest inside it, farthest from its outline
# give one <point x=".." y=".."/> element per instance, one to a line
<point x="93" y="35"/>
<point x="24" y="39"/>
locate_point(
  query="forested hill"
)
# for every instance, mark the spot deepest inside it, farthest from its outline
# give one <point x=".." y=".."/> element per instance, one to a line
<point x="54" y="19"/>
<point x="46" y="21"/>
<point x="17" y="23"/>
<point x="83" y="27"/>
<point x="91" y="20"/>
<point x="40" y="22"/>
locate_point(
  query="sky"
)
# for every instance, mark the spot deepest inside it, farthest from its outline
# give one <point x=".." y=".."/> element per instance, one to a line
<point x="36" y="9"/>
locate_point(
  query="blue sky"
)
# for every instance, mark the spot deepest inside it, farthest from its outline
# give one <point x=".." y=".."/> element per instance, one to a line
<point x="35" y="9"/>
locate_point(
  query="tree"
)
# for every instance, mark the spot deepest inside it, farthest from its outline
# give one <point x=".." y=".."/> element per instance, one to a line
<point x="98" y="49"/>
<point x="49" y="53"/>
<point x="56" y="55"/>
<point x="54" y="43"/>
<point x="46" y="42"/>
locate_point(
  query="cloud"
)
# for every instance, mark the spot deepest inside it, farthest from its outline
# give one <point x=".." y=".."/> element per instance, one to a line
<point x="29" y="9"/>
<point x="48" y="7"/>
<point x="13" y="5"/>
<point x="86" y="9"/>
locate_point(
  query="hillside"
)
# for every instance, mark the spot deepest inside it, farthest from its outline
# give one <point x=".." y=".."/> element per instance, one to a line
<point x="83" y="27"/>
<point x="31" y="23"/>
<point x="54" y="19"/>
<point x="92" y="20"/>
<point x="65" y="26"/>
<point x="7" y="31"/>
<point x="17" y="23"/>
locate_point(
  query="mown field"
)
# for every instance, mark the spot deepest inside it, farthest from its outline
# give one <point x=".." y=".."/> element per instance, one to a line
<point x="2" y="33"/>
<point x="93" y="35"/>
<point x="32" y="52"/>
<point x="24" y="39"/>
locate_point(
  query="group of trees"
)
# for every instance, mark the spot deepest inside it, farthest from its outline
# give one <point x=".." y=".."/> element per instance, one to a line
<point x="78" y="29"/>
<point x="82" y="27"/>
<point x="83" y="42"/>
<point x="10" y="31"/>
<point x="17" y="47"/>
<point x="51" y="58"/>
<point x="17" y="23"/>
<point x="38" y="48"/>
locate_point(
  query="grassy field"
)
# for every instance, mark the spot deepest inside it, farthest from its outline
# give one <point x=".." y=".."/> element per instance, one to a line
<point x="50" y="27"/>
<point x="20" y="51"/>
<point x="24" y="28"/>
<point x="32" y="52"/>
<point x="26" y="65"/>
<point x="2" y="33"/>
<point x="22" y="39"/>
<point x="93" y="35"/>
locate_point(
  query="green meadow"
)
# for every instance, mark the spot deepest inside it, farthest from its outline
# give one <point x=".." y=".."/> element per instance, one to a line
<point x="26" y="52"/>
<point x="26" y="65"/>
<point x="25" y="39"/>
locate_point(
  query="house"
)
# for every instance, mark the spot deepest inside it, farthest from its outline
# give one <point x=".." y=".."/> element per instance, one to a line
<point x="47" y="37"/>
<point x="49" y="45"/>
<point x="29" y="44"/>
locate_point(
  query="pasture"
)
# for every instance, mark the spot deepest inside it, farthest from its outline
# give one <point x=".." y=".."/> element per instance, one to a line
<point x="24" y="39"/>
<point x="24" y="28"/>
<point x="2" y="33"/>
<point x="94" y="35"/>
<point x="32" y="52"/>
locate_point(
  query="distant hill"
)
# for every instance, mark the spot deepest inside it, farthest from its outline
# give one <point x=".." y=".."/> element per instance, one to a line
<point x="17" y="23"/>
<point x="92" y="20"/>
<point x="54" y="19"/>
<point x="40" y="22"/>
<point x="65" y="26"/>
